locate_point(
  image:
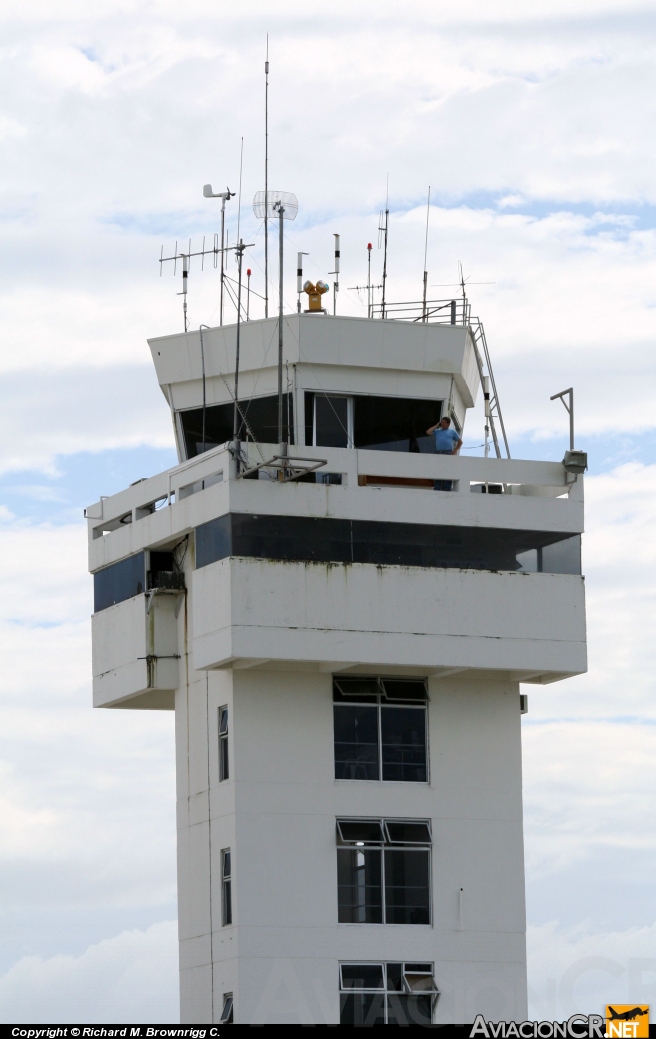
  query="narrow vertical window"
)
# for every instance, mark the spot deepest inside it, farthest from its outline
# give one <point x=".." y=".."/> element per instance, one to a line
<point x="226" y="888"/>
<point x="227" y="1017"/>
<point x="224" y="769"/>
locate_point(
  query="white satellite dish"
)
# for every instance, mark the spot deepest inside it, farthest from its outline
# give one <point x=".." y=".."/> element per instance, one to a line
<point x="267" y="204"/>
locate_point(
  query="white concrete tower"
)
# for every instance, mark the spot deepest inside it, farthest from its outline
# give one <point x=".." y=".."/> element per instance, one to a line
<point x="343" y="651"/>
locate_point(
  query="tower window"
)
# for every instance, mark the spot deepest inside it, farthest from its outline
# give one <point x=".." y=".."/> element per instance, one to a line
<point x="387" y="993"/>
<point x="226" y="888"/>
<point x="380" y="729"/>
<point x="224" y="768"/>
<point x="383" y="871"/>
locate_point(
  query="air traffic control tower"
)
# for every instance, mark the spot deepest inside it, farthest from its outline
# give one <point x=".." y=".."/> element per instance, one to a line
<point x="341" y="628"/>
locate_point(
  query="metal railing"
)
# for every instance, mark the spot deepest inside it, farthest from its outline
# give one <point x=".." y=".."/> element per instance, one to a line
<point x="436" y="311"/>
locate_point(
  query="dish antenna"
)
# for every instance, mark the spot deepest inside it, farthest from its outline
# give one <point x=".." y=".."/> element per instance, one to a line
<point x="284" y="206"/>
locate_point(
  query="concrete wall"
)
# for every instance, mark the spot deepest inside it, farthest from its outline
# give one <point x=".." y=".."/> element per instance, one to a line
<point x="277" y="814"/>
<point x="387" y="615"/>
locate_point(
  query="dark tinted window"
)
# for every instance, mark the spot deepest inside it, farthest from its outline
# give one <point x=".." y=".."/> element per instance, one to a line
<point x="394" y="424"/>
<point x="362" y="975"/>
<point x="408" y="833"/>
<point x="331" y="421"/>
<point x="369" y="831"/>
<point x="379" y="543"/>
<point x="359" y="886"/>
<point x="403" y="744"/>
<point x="261" y="414"/>
<point x="356" y="742"/>
<point x="407" y="886"/>
<point x="119" y="582"/>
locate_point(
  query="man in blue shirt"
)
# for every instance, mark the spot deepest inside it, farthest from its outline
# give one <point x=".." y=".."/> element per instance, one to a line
<point x="447" y="442"/>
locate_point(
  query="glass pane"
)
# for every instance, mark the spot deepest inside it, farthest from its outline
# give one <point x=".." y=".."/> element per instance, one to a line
<point x="362" y="975"/>
<point x="367" y="830"/>
<point x="223" y="759"/>
<point x="355" y="687"/>
<point x="356" y="742"/>
<point x="227" y="903"/>
<point x="119" y="582"/>
<point x="395" y="424"/>
<point x="362" y="1008"/>
<point x="408" y="833"/>
<point x="404" y="689"/>
<point x="223" y="719"/>
<point x="403" y="732"/>
<point x="528" y="561"/>
<point x="395" y="977"/>
<point x="331" y="421"/>
<point x="564" y="557"/>
<point x="419" y="968"/>
<point x="359" y="887"/>
<point x="407" y="887"/>
<point x="226" y="864"/>
<point x="409" y="1010"/>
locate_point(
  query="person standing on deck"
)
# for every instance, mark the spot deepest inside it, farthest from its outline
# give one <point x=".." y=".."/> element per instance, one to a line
<point x="447" y="442"/>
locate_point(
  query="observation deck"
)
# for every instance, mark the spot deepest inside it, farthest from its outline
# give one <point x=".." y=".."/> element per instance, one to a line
<point x="379" y="570"/>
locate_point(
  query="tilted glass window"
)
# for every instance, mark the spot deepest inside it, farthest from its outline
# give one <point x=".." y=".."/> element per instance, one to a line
<point x="387" y="993"/>
<point x="379" y="732"/>
<point x="379" y="881"/>
<point x="226" y="887"/>
<point x="224" y="768"/>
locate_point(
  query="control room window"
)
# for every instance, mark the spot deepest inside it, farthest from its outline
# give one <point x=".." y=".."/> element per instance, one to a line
<point x="226" y="887"/>
<point x="380" y="729"/>
<point x="224" y="769"/>
<point x="387" y="993"/>
<point x="372" y="423"/>
<point x="383" y="871"/>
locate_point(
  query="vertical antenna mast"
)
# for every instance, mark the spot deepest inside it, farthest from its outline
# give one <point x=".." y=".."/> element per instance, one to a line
<point x="281" y="214"/>
<point x="336" y="273"/>
<point x="423" y="312"/>
<point x="185" y="277"/>
<point x="266" y="179"/>
<point x="299" y="278"/>
<point x="368" y="279"/>
<point x="382" y="229"/>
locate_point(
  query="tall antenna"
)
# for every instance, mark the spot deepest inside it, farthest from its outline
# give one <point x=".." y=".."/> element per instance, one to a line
<point x="248" y="294"/>
<point x="424" y="312"/>
<point x="382" y="230"/>
<point x="241" y="166"/>
<point x="185" y="277"/>
<point x="283" y="205"/>
<point x="266" y="179"/>
<point x="368" y="279"/>
<point x="224" y="196"/>
<point x="239" y="250"/>
<point x="336" y="273"/>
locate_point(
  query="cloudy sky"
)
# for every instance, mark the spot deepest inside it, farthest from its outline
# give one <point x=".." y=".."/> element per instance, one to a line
<point x="534" y="126"/>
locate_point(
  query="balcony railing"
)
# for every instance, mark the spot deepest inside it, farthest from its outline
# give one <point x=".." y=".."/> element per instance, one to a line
<point x="351" y="470"/>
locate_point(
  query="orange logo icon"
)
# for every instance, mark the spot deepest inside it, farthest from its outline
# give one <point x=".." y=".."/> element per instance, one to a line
<point x="624" y="1021"/>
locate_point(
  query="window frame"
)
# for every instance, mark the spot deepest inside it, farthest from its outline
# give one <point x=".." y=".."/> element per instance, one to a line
<point x="224" y="746"/>
<point x="227" y="1014"/>
<point x="385" y="989"/>
<point x="226" y="887"/>
<point x="380" y="700"/>
<point x="372" y="846"/>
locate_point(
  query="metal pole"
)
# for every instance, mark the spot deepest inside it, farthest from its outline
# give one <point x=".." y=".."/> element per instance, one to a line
<point x="266" y="183"/>
<point x="185" y="275"/>
<point x="248" y="294"/>
<point x="235" y="424"/>
<point x="570" y="410"/>
<point x="424" y="312"/>
<point x="280" y="265"/>
<point x="384" y="264"/>
<point x="202" y="358"/>
<point x="223" y="202"/>
<point x="486" y="397"/>
<point x="369" y="279"/>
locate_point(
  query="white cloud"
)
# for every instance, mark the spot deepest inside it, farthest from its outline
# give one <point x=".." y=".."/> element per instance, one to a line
<point x="580" y="969"/>
<point x="132" y="977"/>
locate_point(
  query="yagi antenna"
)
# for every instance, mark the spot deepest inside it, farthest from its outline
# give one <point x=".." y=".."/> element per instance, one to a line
<point x="215" y="252"/>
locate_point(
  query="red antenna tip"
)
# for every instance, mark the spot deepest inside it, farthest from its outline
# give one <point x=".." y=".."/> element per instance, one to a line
<point x="369" y="245"/>
<point x="248" y="272"/>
